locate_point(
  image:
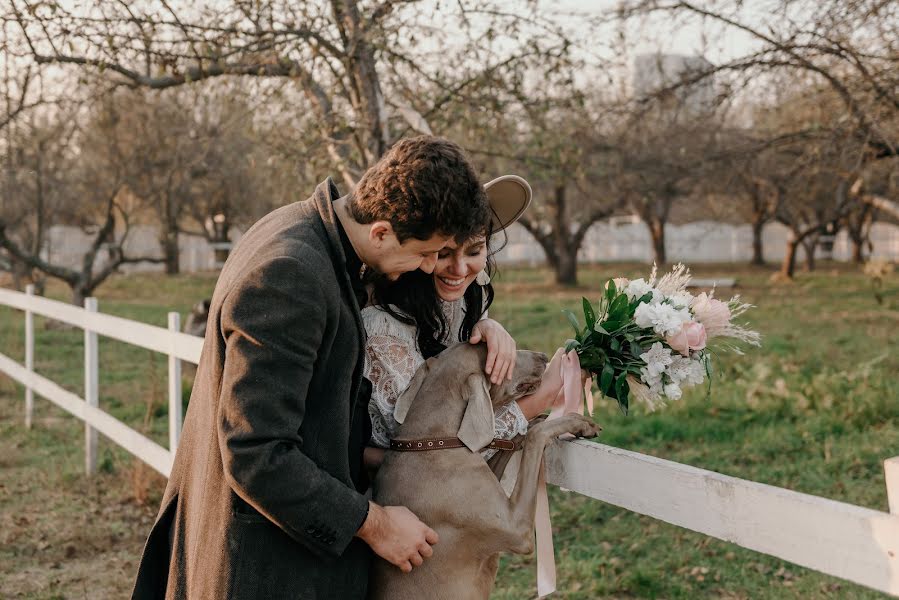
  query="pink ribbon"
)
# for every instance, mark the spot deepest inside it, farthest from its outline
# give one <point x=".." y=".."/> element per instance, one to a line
<point x="569" y="400"/>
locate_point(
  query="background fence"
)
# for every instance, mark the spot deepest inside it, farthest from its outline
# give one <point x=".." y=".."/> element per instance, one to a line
<point x="854" y="543"/>
<point x="608" y="241"/>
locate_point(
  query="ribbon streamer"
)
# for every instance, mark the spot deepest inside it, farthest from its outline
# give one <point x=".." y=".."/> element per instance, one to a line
<point x="568" y="401"/>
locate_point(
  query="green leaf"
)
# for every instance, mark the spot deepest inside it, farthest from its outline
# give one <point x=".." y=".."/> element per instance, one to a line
<point x="572" y="345"/>
<point x="598" y="328"/>
<point x="622" y="389"/>
<point x="611" y="290"/>
<point x="618" y="308"/>
<point x="615" y="345"/>
<point x="636" y="350"/>
<point x="574" y="323"/>
<point x="605" y="378"/>
<point x="589" y="315"/>
<point x="644" y="299"/>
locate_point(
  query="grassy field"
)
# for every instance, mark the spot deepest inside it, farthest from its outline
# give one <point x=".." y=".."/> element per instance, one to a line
<point x="816" y="409"/>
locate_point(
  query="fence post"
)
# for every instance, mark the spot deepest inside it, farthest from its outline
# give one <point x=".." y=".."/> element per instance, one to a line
<point x="91" y="392"/>
<point x="174" y="387"/>
<point x="891" y="472"/>
<point x="29" y="358"/>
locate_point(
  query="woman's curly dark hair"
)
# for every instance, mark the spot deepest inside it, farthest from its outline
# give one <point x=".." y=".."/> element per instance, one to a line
<point x="413" y="299"/>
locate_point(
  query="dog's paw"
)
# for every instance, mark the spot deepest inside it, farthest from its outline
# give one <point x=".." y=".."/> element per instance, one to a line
<point x="584" y="427"/>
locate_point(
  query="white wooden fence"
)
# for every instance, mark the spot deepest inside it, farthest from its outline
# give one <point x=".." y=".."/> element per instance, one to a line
<point x="854" y="543"/>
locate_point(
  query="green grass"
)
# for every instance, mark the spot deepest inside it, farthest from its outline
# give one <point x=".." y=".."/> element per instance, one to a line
<point x="816" y="409"/>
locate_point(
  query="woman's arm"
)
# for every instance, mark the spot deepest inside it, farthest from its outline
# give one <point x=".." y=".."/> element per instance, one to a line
<point x="550" y="386"/>
<point x="390" y="363"/>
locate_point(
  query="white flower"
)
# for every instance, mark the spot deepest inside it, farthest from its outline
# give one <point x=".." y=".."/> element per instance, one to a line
<point x="685" y="371"/>
<point x="651" y="379"/>
<point x="639" y="288"/>
<point x="656" y="358"/>
<point x="663" y="318"/>
<point x="673" y="391"/>
<point x="680" y="299"/>
<point x="696" y="374"/>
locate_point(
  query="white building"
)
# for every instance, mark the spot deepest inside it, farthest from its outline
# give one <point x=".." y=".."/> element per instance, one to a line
<point x="656" y="72"/>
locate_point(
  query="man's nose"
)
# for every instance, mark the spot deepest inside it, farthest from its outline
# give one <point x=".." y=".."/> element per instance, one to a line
<point x="428" y="263"/>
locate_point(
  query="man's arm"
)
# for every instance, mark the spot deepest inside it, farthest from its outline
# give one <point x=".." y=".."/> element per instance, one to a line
<point x="273" y="324"/>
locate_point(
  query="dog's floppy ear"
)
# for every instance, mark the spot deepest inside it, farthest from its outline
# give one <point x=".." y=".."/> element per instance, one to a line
<point x="477" y="426"/>
<point x="405" y="400"/>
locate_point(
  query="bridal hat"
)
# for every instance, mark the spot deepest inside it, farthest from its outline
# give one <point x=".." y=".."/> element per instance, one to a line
<point x="509" y="196"/>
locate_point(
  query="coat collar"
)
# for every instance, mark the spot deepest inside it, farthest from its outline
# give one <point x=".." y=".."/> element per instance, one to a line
<point x="325" y="194"/>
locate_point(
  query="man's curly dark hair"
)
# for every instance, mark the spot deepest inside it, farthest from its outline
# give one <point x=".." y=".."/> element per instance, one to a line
<point x="422" y="186"/>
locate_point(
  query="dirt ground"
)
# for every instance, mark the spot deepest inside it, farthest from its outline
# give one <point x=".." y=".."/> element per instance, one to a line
<point x="62" y="534"/>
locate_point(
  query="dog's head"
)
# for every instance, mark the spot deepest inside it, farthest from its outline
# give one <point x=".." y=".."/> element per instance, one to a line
<point x="460" y="368"/>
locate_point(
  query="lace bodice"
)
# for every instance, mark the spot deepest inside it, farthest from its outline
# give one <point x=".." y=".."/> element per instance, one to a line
<point x="391" y="359"/>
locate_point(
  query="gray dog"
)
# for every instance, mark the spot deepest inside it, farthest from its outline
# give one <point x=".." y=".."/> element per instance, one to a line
<point x="453" y="490"/>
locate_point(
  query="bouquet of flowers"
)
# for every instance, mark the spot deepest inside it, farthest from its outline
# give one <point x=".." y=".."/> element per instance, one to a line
<point x="648" y="339"/>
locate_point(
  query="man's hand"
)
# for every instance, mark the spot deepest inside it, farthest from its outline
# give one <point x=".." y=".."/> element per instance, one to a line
<point x="397" y="536"/>
<point x="500" y="349"/>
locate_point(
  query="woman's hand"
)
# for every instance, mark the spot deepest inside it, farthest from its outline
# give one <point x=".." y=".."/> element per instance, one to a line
<point x="542" y="399"/>
<point x="500" y="349"/>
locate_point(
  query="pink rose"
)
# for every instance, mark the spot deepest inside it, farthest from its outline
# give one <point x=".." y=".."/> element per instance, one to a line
<point x="713" y="314"/>
<point x="692" y="336"/>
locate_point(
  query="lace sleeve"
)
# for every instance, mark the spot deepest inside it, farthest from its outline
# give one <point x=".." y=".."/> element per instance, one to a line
<point x="389" y="364"/>
<point x="508" y="421"/>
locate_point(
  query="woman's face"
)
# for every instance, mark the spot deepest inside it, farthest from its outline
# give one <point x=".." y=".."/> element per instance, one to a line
<point x="458" y="265"/>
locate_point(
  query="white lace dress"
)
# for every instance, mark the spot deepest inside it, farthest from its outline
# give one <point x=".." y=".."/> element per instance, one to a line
<point x="391" y="359"/>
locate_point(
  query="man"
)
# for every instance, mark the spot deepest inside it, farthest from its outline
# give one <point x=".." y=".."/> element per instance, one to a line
<point x="265" y="498"/>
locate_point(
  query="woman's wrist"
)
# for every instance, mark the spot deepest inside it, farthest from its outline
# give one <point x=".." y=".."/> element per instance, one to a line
<point x="534" y="404"/>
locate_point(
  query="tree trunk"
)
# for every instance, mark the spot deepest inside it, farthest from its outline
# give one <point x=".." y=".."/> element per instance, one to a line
<point x="788" y="267"/>
<point x="758" y="249"/>
<point x="79" y="293"/>
<point x="810" y="245"/>
<point x="170" y="251"/>
<point x="858" y="251"/>
<point x="657" y="232"/>
<point x="566" y="267"/>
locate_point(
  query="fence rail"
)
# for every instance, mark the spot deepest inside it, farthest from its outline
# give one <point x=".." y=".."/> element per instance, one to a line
<point x="847" y="541"/>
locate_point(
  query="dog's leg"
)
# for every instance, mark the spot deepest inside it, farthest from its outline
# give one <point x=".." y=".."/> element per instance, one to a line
<point x="518" y="531"/>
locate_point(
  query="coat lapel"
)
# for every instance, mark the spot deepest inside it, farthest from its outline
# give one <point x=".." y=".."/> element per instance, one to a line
<point x="325" y="194"/>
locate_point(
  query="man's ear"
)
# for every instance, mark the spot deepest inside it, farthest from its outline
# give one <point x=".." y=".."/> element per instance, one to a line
<point x="477" y="426"/>
<point x="379" y="233"/>
<point x="401" y="409"/>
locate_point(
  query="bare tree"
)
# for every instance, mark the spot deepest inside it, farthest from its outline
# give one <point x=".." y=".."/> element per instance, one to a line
<point x="81" y="187"/>
<point x="338" y="54"/>
<point x="849" y="46"/>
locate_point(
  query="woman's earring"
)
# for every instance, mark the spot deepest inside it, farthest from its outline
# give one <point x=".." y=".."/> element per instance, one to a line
<point x="483" y="278"/>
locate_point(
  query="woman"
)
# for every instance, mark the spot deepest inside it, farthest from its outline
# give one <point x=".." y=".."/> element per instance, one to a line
<point x="421" y="314"/>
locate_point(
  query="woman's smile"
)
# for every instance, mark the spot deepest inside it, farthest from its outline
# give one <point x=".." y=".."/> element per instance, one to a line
<point x="457" y="266"/>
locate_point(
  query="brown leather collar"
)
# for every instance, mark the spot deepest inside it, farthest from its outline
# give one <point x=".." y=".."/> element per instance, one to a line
<point x="447" y="443"/>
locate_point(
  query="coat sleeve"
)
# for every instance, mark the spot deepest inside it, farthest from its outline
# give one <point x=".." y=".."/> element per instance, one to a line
<point x="273" y="324"/>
